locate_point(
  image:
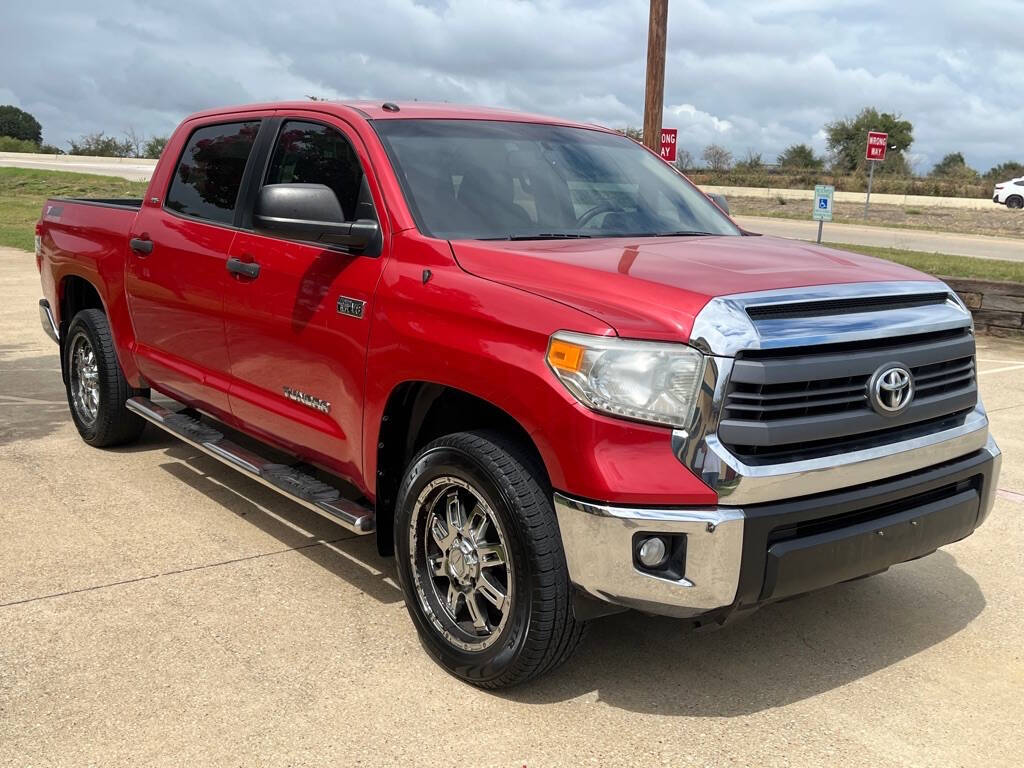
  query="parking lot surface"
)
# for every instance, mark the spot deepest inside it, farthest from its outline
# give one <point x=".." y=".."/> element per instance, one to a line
<point x="158" y="609"/>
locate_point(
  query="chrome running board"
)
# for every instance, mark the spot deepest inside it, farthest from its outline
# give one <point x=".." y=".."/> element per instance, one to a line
<point x="290" y="482"/>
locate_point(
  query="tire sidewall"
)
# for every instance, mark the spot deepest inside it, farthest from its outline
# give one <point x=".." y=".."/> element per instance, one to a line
<point x="1015" y="202"/>
<point x="492" y="662"/>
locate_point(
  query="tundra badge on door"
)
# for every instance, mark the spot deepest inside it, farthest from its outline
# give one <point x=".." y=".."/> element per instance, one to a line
<point x="308" y="400"/>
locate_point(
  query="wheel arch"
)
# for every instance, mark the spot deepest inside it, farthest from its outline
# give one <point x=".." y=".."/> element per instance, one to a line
<point x="417" y="412"/>
<point x="74" y="293"/>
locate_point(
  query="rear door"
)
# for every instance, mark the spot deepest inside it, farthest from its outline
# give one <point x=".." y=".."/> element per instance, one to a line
<point x="176" y="265"/>
<point x="297" y="333"/>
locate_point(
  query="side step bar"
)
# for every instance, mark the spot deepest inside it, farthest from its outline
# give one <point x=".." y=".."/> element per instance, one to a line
<point x="288" y="481"/>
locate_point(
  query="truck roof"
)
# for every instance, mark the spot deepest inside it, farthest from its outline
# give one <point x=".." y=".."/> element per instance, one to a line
<point x="374" y="110"/>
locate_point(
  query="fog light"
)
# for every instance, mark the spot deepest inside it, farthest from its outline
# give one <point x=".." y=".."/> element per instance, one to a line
<point x="652" y="552"/>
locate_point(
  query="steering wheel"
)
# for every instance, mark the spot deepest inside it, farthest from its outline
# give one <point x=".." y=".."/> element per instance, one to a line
<point x="597" y="210"/>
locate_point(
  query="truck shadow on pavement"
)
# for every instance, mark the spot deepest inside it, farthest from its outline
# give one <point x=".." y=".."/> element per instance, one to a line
<point x="343" y="554"/>
<point x="33" y="404"/>
<point x="781" y="654"/>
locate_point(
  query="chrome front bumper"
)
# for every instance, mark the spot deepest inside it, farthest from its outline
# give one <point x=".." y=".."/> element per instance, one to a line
<point x="599" y="544"/>
<point x="47" y="319"/>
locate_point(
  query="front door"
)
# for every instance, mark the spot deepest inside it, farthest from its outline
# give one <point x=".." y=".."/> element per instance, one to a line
<point x="297" y="332"/>
<point x="176" y="272"/>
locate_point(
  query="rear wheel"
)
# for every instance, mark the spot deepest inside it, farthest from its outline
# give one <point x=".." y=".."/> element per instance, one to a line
<point x="95" y="384"/>
<point x="481" y="563"/>
<point x="1015" y="201"/>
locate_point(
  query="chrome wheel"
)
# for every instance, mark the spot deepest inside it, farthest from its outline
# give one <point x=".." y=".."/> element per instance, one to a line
<point x="460" y="566"/>
<point x="85" y="380"/>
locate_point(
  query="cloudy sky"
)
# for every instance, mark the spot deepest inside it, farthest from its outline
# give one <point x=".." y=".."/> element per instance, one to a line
<point x="754" y="76"/>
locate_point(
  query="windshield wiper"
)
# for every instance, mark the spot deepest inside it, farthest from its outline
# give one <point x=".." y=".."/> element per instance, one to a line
<point x="542" y="236"/>
<point x="684" y="233"/>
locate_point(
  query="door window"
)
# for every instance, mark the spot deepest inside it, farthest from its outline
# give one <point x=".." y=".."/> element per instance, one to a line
<point x="209" y="174"/>
<point x="310" y="153"/>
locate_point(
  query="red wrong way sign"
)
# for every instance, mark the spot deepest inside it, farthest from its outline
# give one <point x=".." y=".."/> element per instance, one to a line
<point x="877" y="142"/>
<point x="668" y="144"/>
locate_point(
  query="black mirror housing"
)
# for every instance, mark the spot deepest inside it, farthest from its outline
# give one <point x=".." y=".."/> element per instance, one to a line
<point x="720" y="201"/>
<point x="312" y="212"/>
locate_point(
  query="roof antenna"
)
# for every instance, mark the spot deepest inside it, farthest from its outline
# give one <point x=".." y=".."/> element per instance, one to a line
<point x="390" y="106"/>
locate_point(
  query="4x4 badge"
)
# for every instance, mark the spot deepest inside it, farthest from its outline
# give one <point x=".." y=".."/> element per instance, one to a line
<point x="350" y="307"/>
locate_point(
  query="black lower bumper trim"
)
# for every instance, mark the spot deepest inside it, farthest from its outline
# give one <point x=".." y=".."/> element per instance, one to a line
<point x="800" y="545"/>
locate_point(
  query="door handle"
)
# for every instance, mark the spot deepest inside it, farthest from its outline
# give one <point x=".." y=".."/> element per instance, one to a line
<point x="248" y="269"/>
<point x="141" y="244"/>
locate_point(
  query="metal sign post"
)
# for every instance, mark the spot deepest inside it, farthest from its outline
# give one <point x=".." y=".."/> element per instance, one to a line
<point x="878" y="142"/>
<point x="823" y="196"/>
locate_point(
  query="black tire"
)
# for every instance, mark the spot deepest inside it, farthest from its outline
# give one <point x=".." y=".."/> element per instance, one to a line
<point x="538" y="630"/>
<point x="1015" y="201"/>
<point x="111" y="423"/>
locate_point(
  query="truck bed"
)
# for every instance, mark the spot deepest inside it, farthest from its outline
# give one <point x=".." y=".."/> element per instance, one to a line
<point x="134" y="203"/>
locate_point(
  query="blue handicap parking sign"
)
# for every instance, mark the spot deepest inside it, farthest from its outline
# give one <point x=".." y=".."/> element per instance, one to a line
<point x="823" y="203"/>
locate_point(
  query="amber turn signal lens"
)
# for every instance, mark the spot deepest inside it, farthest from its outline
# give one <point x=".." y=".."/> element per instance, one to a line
<point x="565" y="356"/>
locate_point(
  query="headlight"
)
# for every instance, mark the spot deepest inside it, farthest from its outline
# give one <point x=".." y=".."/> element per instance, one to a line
<point x="642" y="380"/>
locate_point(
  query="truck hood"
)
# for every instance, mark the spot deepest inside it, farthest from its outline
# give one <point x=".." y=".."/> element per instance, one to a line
<point x="654" y="287"/>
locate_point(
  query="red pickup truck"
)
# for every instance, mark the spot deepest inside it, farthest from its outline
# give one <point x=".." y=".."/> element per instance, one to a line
<point x="549" y="374"/>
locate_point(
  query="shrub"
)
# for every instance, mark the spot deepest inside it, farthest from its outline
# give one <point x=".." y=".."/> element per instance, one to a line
<point x="11" y="144"/>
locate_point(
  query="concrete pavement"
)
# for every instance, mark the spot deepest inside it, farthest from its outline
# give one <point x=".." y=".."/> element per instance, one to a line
<point x="158" y="609"/>
<point x="1003" y="248"/>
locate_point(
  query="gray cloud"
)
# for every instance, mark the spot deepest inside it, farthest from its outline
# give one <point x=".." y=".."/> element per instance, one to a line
<point x="751" y="76"/>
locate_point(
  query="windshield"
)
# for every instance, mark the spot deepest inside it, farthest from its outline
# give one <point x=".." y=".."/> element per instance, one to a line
<point x="485" y="179"/>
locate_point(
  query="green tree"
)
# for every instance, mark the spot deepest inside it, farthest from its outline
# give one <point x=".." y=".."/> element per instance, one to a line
<point x="954" y="166"/>
<point x="154" y="147"/>
<point x="752" y="162"/>
<point x="1005" y="172"/>
<point x="19" y="124"/>
<point x="100" y="145"/>
<point x="800" y="156"/>
<point x="847" y="140"/>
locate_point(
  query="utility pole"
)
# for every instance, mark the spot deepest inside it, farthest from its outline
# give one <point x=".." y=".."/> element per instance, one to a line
<point x="654" y="96"/>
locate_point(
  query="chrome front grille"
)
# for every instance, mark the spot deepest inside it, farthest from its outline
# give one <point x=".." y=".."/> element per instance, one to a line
<point x="792" y="403"/>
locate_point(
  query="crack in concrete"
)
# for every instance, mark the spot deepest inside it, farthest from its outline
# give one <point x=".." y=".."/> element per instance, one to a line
<point x="152" y="576"/>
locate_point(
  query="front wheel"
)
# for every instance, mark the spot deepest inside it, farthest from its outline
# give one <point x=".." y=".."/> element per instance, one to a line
<point x="1015" y="201"/>
<point x="480" y="561"/>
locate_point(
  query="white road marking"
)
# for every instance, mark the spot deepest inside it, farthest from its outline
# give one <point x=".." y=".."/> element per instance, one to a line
<point x="1011" y="495"/>
<point x="1001" y="370"/>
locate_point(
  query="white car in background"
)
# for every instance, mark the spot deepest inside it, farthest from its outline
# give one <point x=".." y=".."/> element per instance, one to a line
<point x="1010" y="193"/>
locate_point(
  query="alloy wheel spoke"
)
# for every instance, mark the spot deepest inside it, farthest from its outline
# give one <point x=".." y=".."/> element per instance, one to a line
<point x="442" y="536"/>
<point x="453" y="599"/>
<point x="491" y="555"/>
<point x="437" y="565"/>
<point x="492" y="591"/>
<point x="476" y="525"/>
<point x="456" y="514"/>
<point x="479" y="620"/>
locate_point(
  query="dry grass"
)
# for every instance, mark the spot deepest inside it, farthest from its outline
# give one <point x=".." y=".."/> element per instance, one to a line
<point x="998" y="220"/>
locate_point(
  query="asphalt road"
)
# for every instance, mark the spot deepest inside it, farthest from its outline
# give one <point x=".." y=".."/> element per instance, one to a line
<point x="978" y="246"/>
<point x="158" y="609"/>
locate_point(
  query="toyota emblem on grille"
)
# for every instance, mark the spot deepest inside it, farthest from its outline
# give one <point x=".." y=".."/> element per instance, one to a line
<point x="892" y="389"/>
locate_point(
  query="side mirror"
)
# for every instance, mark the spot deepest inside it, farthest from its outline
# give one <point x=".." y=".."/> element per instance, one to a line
<point x="720" y="201"/>
<point x="312" y="212"/>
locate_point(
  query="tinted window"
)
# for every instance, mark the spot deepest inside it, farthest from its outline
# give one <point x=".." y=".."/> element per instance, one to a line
<point x="209" y="173"/>
<point x="308" y="153"/>
<point x="495" y="180"/>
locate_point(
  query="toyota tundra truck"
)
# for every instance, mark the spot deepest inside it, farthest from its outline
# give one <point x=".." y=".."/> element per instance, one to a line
<point x="550" y="375"/>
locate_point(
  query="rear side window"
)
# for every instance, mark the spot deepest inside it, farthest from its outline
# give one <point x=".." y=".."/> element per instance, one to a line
<point x="209" y="174"/>
<point x="310" y="153"/>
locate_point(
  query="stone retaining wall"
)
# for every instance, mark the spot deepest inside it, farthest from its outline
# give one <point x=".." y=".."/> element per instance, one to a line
<point x="998" y="307"/>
